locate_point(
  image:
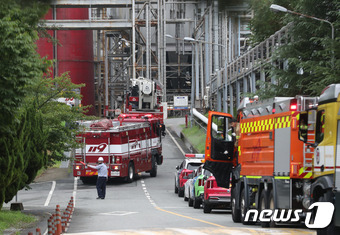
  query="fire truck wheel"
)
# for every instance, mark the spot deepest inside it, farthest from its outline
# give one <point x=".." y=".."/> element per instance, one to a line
<point x="206" y="208"/>
<point x="264" y="205"/>
<point x="131" y="170"/>
<point x="271" y="206"/>
<point x="235" y="213"/>
<point x="243" y="208"/>
<point x="330" y="229"/>
<point x="197" y="203"/>
<point x="153" y="172"/>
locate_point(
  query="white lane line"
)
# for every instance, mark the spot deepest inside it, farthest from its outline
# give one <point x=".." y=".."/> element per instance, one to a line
<point x="147" y="195"/>
<point x="176" y="143"/>
<point x="48" y="199"/>
<point x="75" y="186"/>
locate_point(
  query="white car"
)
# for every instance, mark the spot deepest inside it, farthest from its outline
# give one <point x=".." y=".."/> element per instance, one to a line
<point x="188" y="185"/>
<point x="189" y="164"/>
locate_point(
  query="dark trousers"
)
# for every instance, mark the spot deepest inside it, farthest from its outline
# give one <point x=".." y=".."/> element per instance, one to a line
<point x="101" y="187"/>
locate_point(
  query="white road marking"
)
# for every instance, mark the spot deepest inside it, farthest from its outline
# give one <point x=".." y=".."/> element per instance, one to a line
<point x="188" y="231"/>
<point x="179" y="147"/>
<point x="48" y="199"/>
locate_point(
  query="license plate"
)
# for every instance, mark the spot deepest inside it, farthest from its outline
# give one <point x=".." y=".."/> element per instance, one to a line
<point x="115" y="173"/>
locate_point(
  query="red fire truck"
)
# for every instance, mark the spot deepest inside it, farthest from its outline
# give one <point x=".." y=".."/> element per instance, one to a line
<point x="129" y="145"/>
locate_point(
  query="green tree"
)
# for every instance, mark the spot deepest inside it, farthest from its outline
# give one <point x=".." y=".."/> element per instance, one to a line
<point x="311" y="58"/>
<point x="35" y="129"/>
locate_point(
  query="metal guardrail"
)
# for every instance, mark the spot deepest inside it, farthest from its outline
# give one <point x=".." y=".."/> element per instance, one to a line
<point x="251" y="60"/>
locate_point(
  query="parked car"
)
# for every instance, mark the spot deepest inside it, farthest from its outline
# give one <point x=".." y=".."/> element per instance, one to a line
<point x="196" y="190"/>
<point x="215" y="197"/>
<point x="189" y="184"/>
<point x="189" y="164"/>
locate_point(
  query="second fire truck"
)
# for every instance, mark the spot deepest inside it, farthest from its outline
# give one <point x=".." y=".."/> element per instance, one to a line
<point x="286" y="158"/>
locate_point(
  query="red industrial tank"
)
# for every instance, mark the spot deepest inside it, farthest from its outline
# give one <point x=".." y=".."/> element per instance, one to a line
<point x="75" y="54"/>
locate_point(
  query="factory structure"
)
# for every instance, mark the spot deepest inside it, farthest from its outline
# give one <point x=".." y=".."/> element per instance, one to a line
<point x="188" y="48"/>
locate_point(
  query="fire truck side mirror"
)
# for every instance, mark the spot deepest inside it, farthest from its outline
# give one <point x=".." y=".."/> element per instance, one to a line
<point x="162" y="129"/>
<point x="307" y="126"/>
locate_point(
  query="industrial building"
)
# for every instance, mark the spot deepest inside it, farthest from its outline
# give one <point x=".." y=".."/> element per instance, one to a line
<point x="184" y="46"/>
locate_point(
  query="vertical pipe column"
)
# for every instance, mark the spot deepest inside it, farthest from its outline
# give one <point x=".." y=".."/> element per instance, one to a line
<point x="201" y="73"/>
<point x="164" y="49"/>
<point x="215" y="32"/>
<point x="147" y="22"/>
<point x="231" y="95"/>
<point x="133" y="40"/>
<point x="245" y="84"/>
<point x="238" y="91"/>
<point x="207" y="49"/>
<point x="225" y="97"/>
<point x="197" y="73"/>
<point x="106" y="77"/>
<point x="252" y="83"/>
<point x="192" y="106"/>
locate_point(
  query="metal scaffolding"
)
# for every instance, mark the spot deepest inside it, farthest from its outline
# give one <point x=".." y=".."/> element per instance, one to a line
<point x="130" y="42"/>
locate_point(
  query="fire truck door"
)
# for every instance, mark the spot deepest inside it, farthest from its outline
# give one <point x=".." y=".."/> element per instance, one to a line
<point x="337" y="176"/>
<point x="219" y="150"/>
<point x="337" y="159"/>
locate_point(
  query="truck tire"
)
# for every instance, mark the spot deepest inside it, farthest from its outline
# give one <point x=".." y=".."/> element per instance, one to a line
<point x="206" y="208"/>
<point x="235" y="213"/>
<point x="272" y="207"/>
<point x="153" y="172"/>
<point x="264" y="204"/>
<point x="131" y="172"/>
<point x="243" y="208"/>
<point x="330" y="229"/>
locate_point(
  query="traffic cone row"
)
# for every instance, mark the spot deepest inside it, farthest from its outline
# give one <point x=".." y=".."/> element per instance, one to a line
<point x="58" y="222"/>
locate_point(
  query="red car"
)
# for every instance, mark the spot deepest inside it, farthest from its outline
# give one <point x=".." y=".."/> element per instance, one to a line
<point x="215" y="197"/>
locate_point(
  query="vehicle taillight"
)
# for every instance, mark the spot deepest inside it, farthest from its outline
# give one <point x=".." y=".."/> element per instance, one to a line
<point x="118" y="159"/>
<point x="200" y="182"/>
<point x="293" y="105"/>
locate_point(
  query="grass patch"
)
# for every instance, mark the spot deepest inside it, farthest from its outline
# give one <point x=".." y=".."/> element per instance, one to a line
<point x="196" y="136"/>
<point x="14" y="219"/>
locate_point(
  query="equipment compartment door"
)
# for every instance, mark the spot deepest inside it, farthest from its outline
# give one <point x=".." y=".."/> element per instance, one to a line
<point x="282" y="151"/>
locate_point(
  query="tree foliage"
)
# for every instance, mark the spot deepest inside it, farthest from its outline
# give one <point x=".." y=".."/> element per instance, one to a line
<point x="35" y="129"/>
<point x="310" y="61"/>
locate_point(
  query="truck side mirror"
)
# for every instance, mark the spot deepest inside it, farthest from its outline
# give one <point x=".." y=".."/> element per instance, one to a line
<point x="307" y="126"/>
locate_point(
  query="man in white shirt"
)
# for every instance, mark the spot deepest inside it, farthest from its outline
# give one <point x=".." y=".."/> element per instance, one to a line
<point x="102" y="177"/>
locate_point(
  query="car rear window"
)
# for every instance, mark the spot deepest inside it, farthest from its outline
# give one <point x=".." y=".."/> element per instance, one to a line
<point x="193" y="166"/>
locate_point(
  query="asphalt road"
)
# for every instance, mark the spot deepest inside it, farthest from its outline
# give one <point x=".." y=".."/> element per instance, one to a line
<point x="146" y="206"/>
